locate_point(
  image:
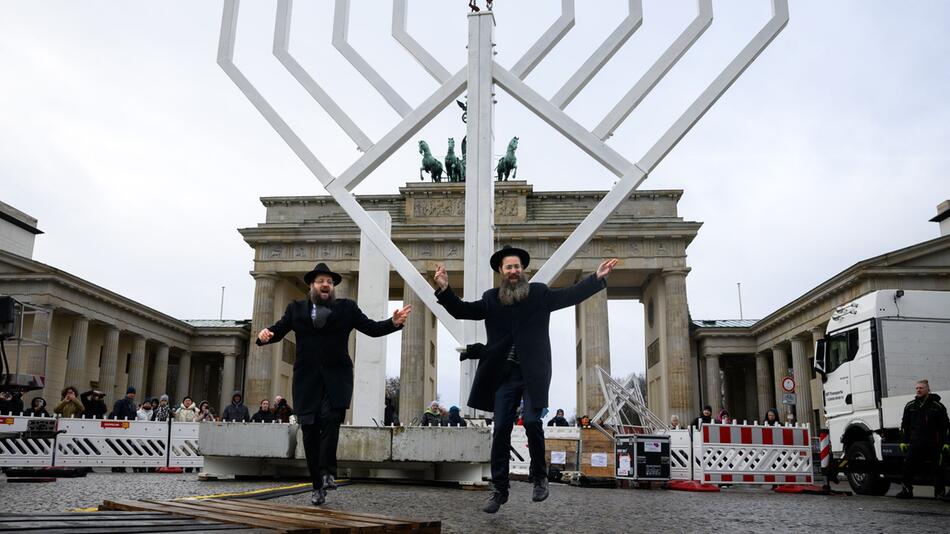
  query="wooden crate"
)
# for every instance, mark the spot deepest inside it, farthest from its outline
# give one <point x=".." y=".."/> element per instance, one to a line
<point x="570" y="448"/>
<point x="105" y="522"/>
<point x="593" y="441"/>
<point x="274" y="517"/>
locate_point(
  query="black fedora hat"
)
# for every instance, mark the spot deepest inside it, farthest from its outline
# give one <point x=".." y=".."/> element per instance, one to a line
<point x="322" y="268"/>
<point x="506" y="251"/>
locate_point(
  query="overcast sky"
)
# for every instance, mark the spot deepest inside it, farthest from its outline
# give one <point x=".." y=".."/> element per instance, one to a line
<point x="140" y="158"/>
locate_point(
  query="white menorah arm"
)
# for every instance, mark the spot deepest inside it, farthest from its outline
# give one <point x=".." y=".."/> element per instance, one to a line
<point x="546" y="42"/>
<point x="627" y="27"/>
<point x="282" y="52"/>
<point x="657" y="71"/>
<point x="341" y="22"/>
<point x="401" y="34"/>
<point x="405" y="129"/>
<point x="396" y="258"/>
<point x="718" y="87"/>
<point x="226" y="61"/>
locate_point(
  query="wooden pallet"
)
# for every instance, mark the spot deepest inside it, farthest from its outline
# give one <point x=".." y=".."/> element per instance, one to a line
<point x="115" y="522"/>
<point x="274" y="517"/>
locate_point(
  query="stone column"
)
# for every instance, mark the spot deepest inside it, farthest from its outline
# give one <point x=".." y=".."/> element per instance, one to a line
<point x="594" y="338"/>
<point x="227" y="384"/>
<point x="763" y="383"/>
<point x="803" y="409"/>
<point x="159" y="372"/>
<point x="260" y="360"/>
<point x="412" y="362"/>
<point x="184" y="375"/>
<point x="137" y="365"/>
<point x="110" y="358"/>
<point x="76" y="359"/>
<point x="779" y="370"/>
<point x="713" y="384"/>
<point x="40" y="332"/>
<point x="677" y="343"/>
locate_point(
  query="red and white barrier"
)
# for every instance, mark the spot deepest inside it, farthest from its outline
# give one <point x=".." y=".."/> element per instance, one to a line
<point x="752" y="454"/>
<point x="20" y="452"/>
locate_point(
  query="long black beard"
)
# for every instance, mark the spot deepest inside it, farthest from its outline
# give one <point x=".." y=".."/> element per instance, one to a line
<point x="511" y="293"/>
<point x="318" y="300"/>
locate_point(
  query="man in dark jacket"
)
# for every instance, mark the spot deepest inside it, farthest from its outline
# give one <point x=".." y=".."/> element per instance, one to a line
<point x="558" y="419"/>
<point x="264" y="413"/>
<point x="95" y="407"/>
<point x="125" y="407"/>
<point x="923" y="433"/>
<point x="11" y="403"/>
<point x="323" y="370"/>
<point x="704" y="418"/>
<point x="516" y="361"/>
<point x="236" y="411"/>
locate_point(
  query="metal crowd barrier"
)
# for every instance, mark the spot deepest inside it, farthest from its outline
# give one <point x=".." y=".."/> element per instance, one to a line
<point x="82" y="442"/>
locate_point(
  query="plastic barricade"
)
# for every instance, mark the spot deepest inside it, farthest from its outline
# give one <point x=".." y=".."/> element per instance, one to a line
<point x="183" y="448"/>
<point x="111" y="443"/>
<point x="752" y="454"/>
<point x="681" y="454"/>
<point x="25" y="452"/>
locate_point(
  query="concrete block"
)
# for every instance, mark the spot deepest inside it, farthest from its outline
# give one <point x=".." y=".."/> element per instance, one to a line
<point x="442" y="444"/>
<point x="358" y="444"/>
<point x="248" y="440"/>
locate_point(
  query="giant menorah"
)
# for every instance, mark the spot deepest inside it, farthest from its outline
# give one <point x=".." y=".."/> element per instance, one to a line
<point x="478" y="79"/>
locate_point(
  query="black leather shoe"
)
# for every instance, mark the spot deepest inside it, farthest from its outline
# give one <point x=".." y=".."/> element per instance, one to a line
<point x="540" y="490"/>
<point x="905" y="493"/>
<point x="495" y="499"/>
<point x="319" y="497"/>
<point x="329" y="483"/>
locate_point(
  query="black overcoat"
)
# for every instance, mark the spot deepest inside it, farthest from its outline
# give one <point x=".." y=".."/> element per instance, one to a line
<point x="525" y="324"/>
<point x="322" y="353"/>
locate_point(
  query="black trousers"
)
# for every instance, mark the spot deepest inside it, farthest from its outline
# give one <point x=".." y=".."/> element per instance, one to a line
<point x="507" y="398"/>
<point x="916" y="456"/>
<point x="321" y="434"/>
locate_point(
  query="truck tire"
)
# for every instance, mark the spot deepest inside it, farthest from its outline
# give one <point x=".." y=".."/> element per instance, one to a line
<point x="865" y="483"/>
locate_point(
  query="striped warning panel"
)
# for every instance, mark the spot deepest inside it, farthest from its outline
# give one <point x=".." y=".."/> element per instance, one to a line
<point x="755" y="435"/>
<point x="724" y="478"/>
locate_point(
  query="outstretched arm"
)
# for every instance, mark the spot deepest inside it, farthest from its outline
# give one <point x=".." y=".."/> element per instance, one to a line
<point x="458" y="308"/>
<point x="555" y="299"/>
<point x="278" y="330"/>
<point x="379" y="328"/>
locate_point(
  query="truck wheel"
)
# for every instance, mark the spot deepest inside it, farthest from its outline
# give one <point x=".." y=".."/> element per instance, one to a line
<point x="865" y="482"/>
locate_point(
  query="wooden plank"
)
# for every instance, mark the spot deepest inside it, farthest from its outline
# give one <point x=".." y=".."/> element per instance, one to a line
<point x="296" y="515"/>
<point x="165" y="507"/>
<point x="358" y="516"/>
<point x="283" y="521"/>
<point x="221" y="529"/>
<point x="384" y="519"/>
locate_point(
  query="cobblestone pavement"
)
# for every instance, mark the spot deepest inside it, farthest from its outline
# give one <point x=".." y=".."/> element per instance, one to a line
<point x="569" y="509"/>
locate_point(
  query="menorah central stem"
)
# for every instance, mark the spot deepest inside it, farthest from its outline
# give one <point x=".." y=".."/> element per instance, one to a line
<point x="479" y="185"/>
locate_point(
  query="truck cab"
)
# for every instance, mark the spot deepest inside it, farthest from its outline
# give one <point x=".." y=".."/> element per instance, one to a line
<point x="875" y="350"/>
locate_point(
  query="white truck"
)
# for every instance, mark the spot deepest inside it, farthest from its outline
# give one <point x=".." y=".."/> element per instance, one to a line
<point x="875" y="350"/>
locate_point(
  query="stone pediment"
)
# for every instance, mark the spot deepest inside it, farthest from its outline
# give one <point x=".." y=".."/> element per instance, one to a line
<point x="934" y="253"/>
<point x="14" y="264"/>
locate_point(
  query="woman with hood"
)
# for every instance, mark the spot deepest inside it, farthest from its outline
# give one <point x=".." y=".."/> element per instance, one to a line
<point x="205" y="413"/>
<point x="37" y="408"/>
<point x="163" y="411"/>
<point x="455" y="418"/>
<point x="771" y="418"/>
<point x="236" y="411"/>
<point x="724" y="418"/>
<point x="187" y="412"/>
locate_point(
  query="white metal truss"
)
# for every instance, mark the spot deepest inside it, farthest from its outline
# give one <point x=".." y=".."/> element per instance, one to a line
<point x="619" y="396"/>
<point x="631" y="174"/>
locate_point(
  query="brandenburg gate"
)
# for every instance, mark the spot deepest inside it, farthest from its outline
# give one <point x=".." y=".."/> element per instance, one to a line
<point x="645" y="233"/>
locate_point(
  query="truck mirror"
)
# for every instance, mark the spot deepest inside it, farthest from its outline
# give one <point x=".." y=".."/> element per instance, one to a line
<point x="820" y="357"/>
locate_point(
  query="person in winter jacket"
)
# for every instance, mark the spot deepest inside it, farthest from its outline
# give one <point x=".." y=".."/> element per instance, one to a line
<point x="92" y="400"/>
<point x="11" y="403"/>
<point x="771" y="418"/>
<point x="724" y="417"/>
<point x="236" y="411"/>
<point x="264" y="414"/>
<point x="455" y="417"/>
<point x="187" y="412"/>
<point x="282" y="410"/>
<point x="390" y="417"/>
<point x="125" y="407"/>
<point x="205" y="412"/>
<point x="705" y="418"/>
<point x="432" y="416"/>
<point x="923" y="435"/>
<point x="37" y="408"/>
<point x="558" y="419"/>
<point x="145" y="413"/>
<point x="70" y="405"/>
<point x="163" y="412"/>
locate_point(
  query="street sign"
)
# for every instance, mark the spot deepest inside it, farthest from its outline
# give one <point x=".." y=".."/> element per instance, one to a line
<point x="788" y="384"/>
<point x="788" y="398"/>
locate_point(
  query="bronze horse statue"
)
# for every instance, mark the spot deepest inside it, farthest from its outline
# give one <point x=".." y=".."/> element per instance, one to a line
<point x="453" y="165"/>
<point x="508" y="164"/>
<point x="429" y="164"/>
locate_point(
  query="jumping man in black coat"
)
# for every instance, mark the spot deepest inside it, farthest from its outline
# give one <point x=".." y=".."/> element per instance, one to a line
<point x="323" y="370"/>
<point x="516" y="361"/>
